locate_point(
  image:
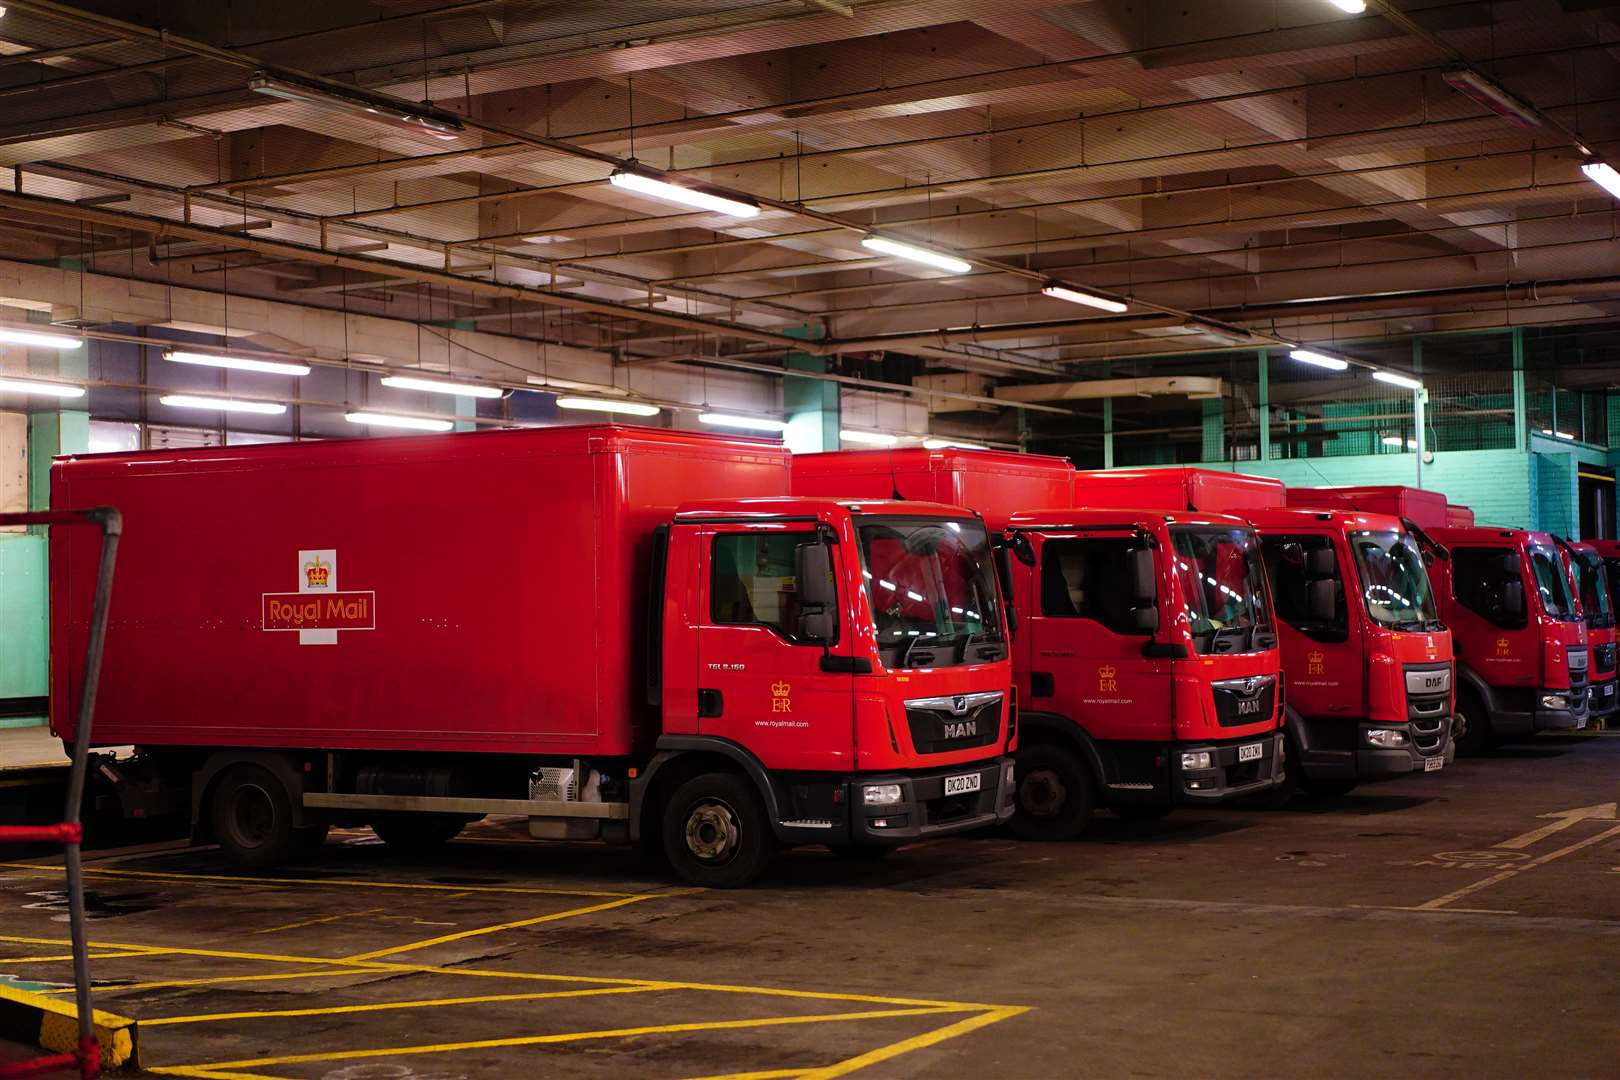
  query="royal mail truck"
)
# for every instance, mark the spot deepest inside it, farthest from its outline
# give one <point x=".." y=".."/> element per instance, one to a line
<point x="1589" y="573"/>
<point x="1145" y="657"/>
<point x="613" y="632"/>
<point x="1517" y="629"/>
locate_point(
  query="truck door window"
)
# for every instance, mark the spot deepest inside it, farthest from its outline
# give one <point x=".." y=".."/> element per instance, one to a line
<point x="1289" y="562"/>
<point x="1593" y="577"/>
<point x="1477" y="577"/>
<point x="751" y="580"/>
<point x="1089" y="579"/>
<point x="1552" y="583"/>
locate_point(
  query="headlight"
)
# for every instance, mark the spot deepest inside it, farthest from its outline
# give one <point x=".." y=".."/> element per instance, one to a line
<point x="1196" y="759"/>
<point x="1388" y="738"/>
<point x="880" y="794"/>
<point x="1553" y="701"/>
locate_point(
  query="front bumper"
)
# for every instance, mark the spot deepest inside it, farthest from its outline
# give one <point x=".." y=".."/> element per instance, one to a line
<point x="1373" y="763"/>
<point x="1601" y="700"/>
<point x="1227" y="777"/>
<point x="924" y="809"/>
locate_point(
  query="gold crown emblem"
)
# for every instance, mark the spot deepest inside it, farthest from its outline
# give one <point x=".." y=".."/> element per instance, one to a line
<point x="780" y="689"/>
<point x="1501" y="643"/>
<point x="1105" y="672"/>
<point x="1315" y="657"/>
<point x="317" y="573"/>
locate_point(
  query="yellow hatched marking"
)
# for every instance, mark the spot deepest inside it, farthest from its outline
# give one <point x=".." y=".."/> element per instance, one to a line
<point x="462" y="935"/>
<point x="386" y="1006"/>
<point x="207" y="1074"/>
<point x="916" y="1042"/>
<point x="62" y="958"/>
<point x="166" y="984"/>
<point x="320" y="921"/>
<point x="573" y="1036"/>
<point x="349" y="883"/>
<point x="768" y="1074"/>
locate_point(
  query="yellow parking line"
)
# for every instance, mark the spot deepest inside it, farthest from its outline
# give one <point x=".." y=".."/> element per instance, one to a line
<point x="208" y="1074"/>
<point x="916" y="1042"/>
<point x="385" y="1006"/>
<point x="768" y="1074"/>
<point x="62" y="958"/>
<point x="462" y="935"/>
<point x="351" y="883"/>
<point x="167" y="984"/>
<point x="570" y="1036"/>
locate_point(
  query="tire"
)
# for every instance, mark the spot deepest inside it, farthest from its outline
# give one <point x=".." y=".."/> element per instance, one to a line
<point x="716" y="832"/>
<point x="1141" y="811"/>
<point x="1471" y="729"/>
<point x="251" y="815"/>
<point x="418" y="831"/>
<point x="1055" y="793"/>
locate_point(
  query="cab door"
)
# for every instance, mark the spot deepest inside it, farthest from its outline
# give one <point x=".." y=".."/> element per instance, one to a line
<point x="1089" y="628"/>
<point x="761" y="684"/>
<point x="1492" y="630"/>
<point x="1319" y="631"/>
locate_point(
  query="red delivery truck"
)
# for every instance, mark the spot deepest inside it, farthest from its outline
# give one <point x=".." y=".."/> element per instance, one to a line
<point x="1589" y="574"/>
<point x="615" y="632"/>
<point x="1458" y="515"/>
<point x="1517" y="629"/>
<point x="1131" y="697"/>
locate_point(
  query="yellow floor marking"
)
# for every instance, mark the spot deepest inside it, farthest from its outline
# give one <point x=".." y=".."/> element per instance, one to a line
<point x="166" y="984"/>
<point x="351" y="883"/>
<point x="445" y="939"/>
<point x="768" y="1074"/>
<point x="571" y="1036"/>
<point x="916" y="1042"/>
<point x="1517" y="869"/>
<point x="63" y="958"/>
<point x="209" y="1074"/>
<point x="318" y="922"/>
<point x="332" y="1010"/>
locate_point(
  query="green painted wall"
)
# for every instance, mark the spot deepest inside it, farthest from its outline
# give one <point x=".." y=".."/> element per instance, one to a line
<point x="23" y="626"/>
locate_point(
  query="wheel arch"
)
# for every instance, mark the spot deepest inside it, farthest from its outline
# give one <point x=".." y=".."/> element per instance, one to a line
<point x="1035" y="728"/>
<point x="278" y="763"/>
<point x="681" y="757"/>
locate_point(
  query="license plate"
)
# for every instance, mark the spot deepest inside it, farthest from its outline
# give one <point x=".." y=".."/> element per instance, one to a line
<point x="1252" y="752"/>
<point x="1434" y="764"/>
<point x="961" y="785"/>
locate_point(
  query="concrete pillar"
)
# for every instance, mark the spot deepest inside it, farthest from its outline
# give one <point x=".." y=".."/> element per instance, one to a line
<point x="811" y="405"/>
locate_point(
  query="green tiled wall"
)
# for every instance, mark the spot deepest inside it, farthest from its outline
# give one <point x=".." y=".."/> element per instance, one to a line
<point x="22" y="616"/>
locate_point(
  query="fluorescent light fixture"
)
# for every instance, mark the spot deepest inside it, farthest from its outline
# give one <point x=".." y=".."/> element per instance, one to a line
<point x="423" y="121"/>
<point x="630" y="408"/>
<point x="1405" y="381"/>
<point x="236" y="363"/>
<point x="1482" y="91"/>
<point x="868" y="438"/>
<point x="1603" y="175"/>
<point x="223" y="404"/>
<point x="32" y="386"/>
<point x="441" y="386"/>
<point x="1350" y="7"/>
<point x="39" y="340"/>
<point x="952" y="444"/>
<point x="937" y="259"/>
<point x="746" y="423"/>
<point x="643" y="183"/>
<point x="1558" y="434"/>
<point x="1397" y="442"/>
<point x="412" y="423"/>
<point x="1321" y="360"/>
<point x="1058" y="291"/>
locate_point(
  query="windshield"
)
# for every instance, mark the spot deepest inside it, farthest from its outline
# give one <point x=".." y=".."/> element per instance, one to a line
<point x="1394" y="583"/>
<point x="933" y="590"/>
<point x="1593" y="578"/>
<point x="1552" y="584"/>
<point x="1223" y="587"/>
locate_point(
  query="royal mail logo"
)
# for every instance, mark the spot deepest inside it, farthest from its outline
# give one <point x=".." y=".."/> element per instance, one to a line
<point x="1314" y="662"/>
<point x="1503" y="646"/>
<point x="780" y="701"/>
<point x="319" y="610"/>
<point x="1106" y="683"/>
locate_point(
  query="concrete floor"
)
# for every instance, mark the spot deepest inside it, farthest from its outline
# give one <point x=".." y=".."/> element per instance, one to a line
<point x="1437" y="925"/>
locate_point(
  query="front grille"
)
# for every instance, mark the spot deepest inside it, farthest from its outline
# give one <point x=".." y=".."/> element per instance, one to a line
<point x="1603" y="658"/>
<point x="942" y="724"/>
<point x="1245" y="701"/>
<point x="1428" y="706"/>
<point x="1577" y="667"/>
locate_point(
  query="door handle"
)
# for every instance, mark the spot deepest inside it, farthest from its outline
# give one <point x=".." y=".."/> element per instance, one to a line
<point x="1041" y="684"/>
<point x="710" y="703"/>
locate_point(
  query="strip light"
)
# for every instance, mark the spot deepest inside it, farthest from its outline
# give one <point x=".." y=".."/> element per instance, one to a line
<point x="1321" y="360"/>
<point x="440" y="125"/>
<point x="414" y="423"/>
<point x="645" y="184"/>
<point x="937" y="259"/>
<point x="1350" y="7"/>
<point x="952" y="444"/>
<point x="1471" y="84"/>
<point x="441" y="386"/>
<point x="236" y="363"/>
<point x="39" y="340"/>
<point x="745" y="423"/>
<point x="1603" y="175"/>
<point x="1059" y="291"/>
<point x="1558" y="434"/>
<point x="868" y="438"/>
<point x="630" y="408"/>
<point x="223" y="404"/>
<point x="49" y="389"/>
<point x="1397" y="442"/>
<point x="1394" y="379"/>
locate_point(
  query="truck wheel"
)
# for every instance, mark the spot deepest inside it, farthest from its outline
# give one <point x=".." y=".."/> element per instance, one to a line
<point x="716" y="833"/>
<point x="252" y="817"/>
<point x="418" y="831"/>
<point x="1055" y="793"/>
<point x="1471" y="728"/>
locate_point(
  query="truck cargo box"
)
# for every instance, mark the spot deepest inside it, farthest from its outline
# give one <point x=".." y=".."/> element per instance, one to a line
<point x="1427" y="508"/>
<point x="1458" y="515"/>
<point x="474" y="592"/>
<point x="1208" y="490"/>
<point x="994" y="483"/>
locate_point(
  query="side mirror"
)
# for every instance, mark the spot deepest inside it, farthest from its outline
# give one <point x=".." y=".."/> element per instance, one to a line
<point x="1510" y="565"/>
<point x="818" y="596"/>
<point x="1022" y="549"/>
<point x="1513" y="599"/>
<point x="1322" y="601"/>
<point x="1005" y="581"/>
<point x="1144" y="579"/>
<point x="1145" y="620"/>
<point x="1320" y="563"/>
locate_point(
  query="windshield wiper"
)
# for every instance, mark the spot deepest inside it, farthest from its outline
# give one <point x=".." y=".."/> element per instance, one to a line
<point x="963" y="642"/>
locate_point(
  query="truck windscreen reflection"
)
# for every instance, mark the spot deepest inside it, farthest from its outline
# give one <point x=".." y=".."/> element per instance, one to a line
<point x="932" y="588"/>
<point x="1223" y="587"/>
<point x="1394" y="581"/>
